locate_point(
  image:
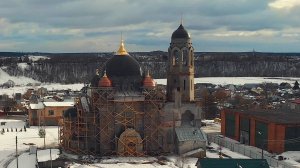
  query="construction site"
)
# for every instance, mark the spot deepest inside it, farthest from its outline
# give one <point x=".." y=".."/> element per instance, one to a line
<point x="123" y="112"/>
<point x="126" y="126"/>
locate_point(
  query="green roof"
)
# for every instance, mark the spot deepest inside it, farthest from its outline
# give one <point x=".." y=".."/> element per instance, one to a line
<point x="189" y="134"/>
<point x="232" y="163"/>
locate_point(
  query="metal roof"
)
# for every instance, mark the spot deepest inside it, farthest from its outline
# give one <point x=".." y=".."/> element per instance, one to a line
<point x="59" y="104"/>
<point x="37" y="106"/>
<point x="232" y="163"/>
<point x="275" y="116"/>
<point x="180" y="32"/>
<point x="189" y="134"/>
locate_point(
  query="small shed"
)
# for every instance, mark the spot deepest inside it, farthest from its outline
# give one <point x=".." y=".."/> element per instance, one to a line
<point x="189" y="139"/>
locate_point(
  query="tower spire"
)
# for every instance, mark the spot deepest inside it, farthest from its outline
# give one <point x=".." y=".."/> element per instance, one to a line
<point x="121" y="36"/>
<point x="122" y="50"/>
<point x="181" y="19"/>
<point x="180" y="74"/>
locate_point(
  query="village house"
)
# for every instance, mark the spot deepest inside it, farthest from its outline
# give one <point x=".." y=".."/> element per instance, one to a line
<point x="48" y="113"/>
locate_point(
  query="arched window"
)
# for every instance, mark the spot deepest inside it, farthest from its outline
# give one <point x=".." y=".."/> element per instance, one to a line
<point x="173" y="59"/>
<point x="185" y="56"/>
<point x="176" y="56"/>
<point x="187" y="118"/>
<point x="191" y="58"/>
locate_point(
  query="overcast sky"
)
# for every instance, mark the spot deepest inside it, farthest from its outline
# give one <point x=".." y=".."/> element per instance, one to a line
<point x="147" y="25"/>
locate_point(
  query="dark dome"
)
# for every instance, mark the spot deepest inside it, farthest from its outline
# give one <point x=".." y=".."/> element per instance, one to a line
<point x="70" y="112"/>
<point x="123" y="71"/>
<point x="180" y="33"/>
<point x="122" y="66"/>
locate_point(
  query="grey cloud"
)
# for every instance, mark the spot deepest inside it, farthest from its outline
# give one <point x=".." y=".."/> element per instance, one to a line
<point x="114" y="13"/>
<point x="95" y="18"/>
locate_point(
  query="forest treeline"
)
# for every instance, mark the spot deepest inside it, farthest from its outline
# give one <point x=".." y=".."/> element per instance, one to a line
<point x="80" y="67"/>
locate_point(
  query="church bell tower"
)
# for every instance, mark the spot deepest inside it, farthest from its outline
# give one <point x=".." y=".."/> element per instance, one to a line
<point x="180" y="72"/>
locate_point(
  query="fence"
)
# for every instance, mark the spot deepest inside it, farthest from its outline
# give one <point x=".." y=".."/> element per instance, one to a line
<point x="248" y="151"/>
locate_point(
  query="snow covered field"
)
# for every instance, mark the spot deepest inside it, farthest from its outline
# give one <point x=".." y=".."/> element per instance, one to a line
<point x="23" y="81"/>
<point x="19" y="80"/>
<point x="29" y="160"/>
<point x="140" y="162"/>
<point x="37" y="57"/>
<point x="8" y="149"/>
<point x="8" y="146"/>
<point x="8" y="140"/>
<point x="7" y="157"/>
<point x="238" y="80"/>
<point x="22" y="89"/>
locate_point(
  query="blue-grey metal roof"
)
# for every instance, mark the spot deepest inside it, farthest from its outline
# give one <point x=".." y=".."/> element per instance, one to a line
<point x="189" y="134"/>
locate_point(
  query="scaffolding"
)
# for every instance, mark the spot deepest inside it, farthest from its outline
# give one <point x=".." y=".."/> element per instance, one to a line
<point x="102" y="108"/>
<point x="102" y="117"/>
<point x="153" y="137"/>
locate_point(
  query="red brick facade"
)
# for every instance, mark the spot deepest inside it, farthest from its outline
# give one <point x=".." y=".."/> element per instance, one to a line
<point x="276" y="131"/>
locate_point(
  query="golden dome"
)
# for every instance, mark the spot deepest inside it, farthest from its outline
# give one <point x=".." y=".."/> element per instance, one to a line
<point x="122" y="50"/>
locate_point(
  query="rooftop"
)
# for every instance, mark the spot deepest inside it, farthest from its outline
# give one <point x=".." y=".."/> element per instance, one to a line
<point x="59" y="104"/>
<point x="37" y="106"/>
<point x="232" y="163"/>
<point x="275" y="116"/>
<point x="189" y="134"/>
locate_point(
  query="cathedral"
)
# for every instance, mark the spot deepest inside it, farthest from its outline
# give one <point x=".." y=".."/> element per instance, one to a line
<point x="123" y="112"/>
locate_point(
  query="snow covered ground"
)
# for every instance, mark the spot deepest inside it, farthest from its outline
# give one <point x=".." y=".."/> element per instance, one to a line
<point x="141" y="162"/>
<point x="56" y="86"/>
<point x="225" y="151"/>
<point x="129" y="162"/>
<point x="8" y="149"/>
<point x="23" y="81"/>
<point x="23" y="65"/>
<point x="19" y="80"/>
<point x="7" y="157"/>
<point x="8" y="140"/>
<point x="292" y="157"/>
<point x="149" y="162"/>
<point x="238" y="80"/>
<point x="37" y="57"/>
<point x="29" y="160"/>
<point x="211" y="127"/>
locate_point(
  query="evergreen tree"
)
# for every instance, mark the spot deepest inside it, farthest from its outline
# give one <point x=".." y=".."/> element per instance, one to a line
<point x="296" y="85"/>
